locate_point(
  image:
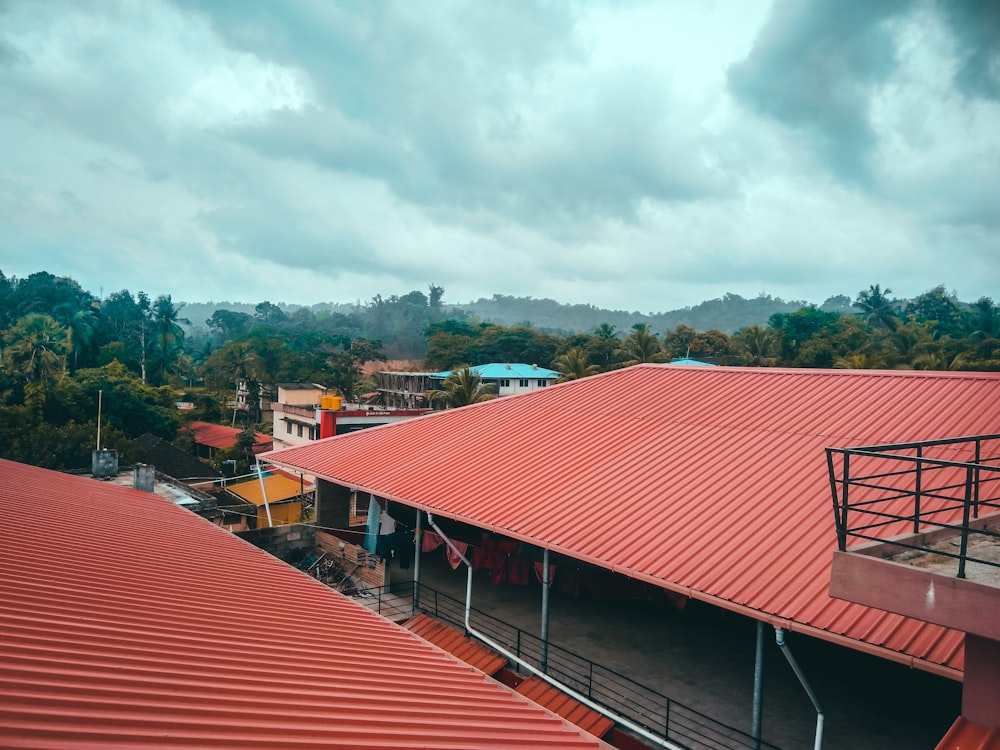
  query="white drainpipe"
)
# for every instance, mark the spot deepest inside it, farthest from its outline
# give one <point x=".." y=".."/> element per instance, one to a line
<point x="642" y="731"/>
<point x="779" y="637"/>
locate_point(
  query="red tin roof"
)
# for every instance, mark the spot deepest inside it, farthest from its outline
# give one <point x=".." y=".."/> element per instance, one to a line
<point x="222" y="437"/>
<point x="709" y="481"/>
<point x="965" y="735"/>
<point x="143" y="625"/>
<point x="472" y="652"/>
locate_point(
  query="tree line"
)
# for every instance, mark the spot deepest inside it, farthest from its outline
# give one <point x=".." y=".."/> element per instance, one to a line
<point x="61" y="348"/>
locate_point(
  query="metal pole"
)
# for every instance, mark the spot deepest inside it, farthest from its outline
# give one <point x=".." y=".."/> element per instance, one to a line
<point x="545" y="611"/>
<point x="416" y="563"/>
<point x="779" y="636"/>
<point x="758" y="685"/>
<point x="263" y="494"/>
<point x="624" y="721"/>
<point x="100" y="398"/>
<point x="964" y="549"/>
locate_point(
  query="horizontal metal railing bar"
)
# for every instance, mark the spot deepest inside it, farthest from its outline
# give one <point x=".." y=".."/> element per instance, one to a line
<point x="620" y="693"/>
<point x="941" y="462"/>
<point x="924" y="443"/>
<point x="956" y="556"/>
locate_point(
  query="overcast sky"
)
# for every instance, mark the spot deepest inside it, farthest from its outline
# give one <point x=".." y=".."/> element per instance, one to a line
<point x="631" y="155"/>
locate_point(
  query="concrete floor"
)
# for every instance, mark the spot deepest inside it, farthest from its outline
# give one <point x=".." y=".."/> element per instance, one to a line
<point x="703" y="657"/>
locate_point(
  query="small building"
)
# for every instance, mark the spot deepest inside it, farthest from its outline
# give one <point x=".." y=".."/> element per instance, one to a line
<point x="277" y="503"/>
<point x="508" y="378"/>
<point x="209" y="438"/>
<point x="305" y="412"/>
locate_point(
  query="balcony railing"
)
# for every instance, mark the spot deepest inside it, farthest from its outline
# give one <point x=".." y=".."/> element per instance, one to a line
<point x="918" y="493"/>
<point x="663" y="716"/>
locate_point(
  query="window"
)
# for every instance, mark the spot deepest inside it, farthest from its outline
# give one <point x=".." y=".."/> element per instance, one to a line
<point x="299" y="431"/>
<point x="522" y="383"/>
<point x="504" y="383"/>
<point x="542" y="383"/>
<point x="288" y="427"/>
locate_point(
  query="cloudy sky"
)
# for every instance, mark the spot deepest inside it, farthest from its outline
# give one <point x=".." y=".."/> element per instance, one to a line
<point x="631" y="155"/>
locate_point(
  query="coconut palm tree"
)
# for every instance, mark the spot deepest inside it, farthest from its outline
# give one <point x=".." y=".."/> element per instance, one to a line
<point x="758" y="347"/>
<point x="574" y="365"/>
<point x="878" y="310"/>
<point x="606" y="331"/>
<point x="461" y="388"/>
<point x="641" y="346"/>
<point x="36" y="347"/>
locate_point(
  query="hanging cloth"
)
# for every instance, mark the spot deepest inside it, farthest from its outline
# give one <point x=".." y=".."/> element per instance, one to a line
<point x="429" y="541"/>
<point x="455" y="560"/>
<point x="371" y="528"/>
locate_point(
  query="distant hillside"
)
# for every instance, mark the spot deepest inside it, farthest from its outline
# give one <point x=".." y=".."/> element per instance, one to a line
<point x="727" y="314"/>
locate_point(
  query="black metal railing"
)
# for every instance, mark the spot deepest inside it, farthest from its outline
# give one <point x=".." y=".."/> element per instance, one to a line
<point x="918" y="493"/>
<point x="650" y="709"/>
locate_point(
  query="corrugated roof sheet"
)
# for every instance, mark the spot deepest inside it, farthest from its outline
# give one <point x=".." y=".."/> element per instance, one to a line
<point x="146" y="626"/>
<point x="710" y="481"/>
<point x="222" y="437"/>
<point x="497" y="370"/>
<point x="570" y="709"/>
<point x="277" y="486"/>
<point x="474" y="653"/>
<point x="965" y="735"/>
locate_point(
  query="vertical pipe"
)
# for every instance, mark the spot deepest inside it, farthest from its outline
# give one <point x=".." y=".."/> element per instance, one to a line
<point x="263" y="494"/>
<point x="100" y="399"/>
<point x="916" y="493"/>
<point x="975" y="499"/>
<point x="545" y="611"/>
<point x="779" y="637"/>
<point x="758" y="686"/>
<point x="963" y="551"/>
<point x="416" y="562"/>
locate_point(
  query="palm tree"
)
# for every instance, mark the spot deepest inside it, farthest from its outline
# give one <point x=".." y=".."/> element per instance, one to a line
<point x="36" y="347"/>
<point x="606" y="331"/>
<point x="168" y="336"/>
<point x="984" y="319"/>
<point x="878" y="309"/>
<point x="461" y="388"/>
<point x="574" y="365"/>
<point x="641" y="346"/>
<point x="758" y="347"/>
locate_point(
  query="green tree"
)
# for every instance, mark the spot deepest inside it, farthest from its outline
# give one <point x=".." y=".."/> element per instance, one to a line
<point x="756" y="346"/>
<point x="877" y="308"/>
<point x="574" y="365"/>
<point x="462" y="388"/>
<point x="168" y="336"/>
<point x="641" y="346"/>
<point x="36" y="347"/>
<point x="937" y="305"/>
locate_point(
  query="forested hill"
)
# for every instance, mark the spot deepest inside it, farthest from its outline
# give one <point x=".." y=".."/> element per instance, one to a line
<point x="727" y="314"/>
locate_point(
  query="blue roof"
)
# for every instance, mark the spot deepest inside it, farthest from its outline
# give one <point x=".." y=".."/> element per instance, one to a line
<point x="688" y="361"/>
<point x="498" y="370"/>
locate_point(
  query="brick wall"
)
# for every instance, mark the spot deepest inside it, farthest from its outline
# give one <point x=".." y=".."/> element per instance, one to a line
<point x="290" y="542"/>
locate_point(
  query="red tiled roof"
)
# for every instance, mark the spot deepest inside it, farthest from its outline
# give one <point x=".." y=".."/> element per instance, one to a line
<point x="147" y="626"/>
<point x="222" y="437"/>
<point x="709" y="481"/>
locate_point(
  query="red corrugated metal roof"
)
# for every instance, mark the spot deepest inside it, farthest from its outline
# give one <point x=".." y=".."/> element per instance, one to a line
<point x="710" y="481"/>
<point x="485" y="659"/>
<point x="570" y="709"/>
<point x="222" y="437"/>
<point x="143" y="625"/>
<point x="964" y="735"/>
